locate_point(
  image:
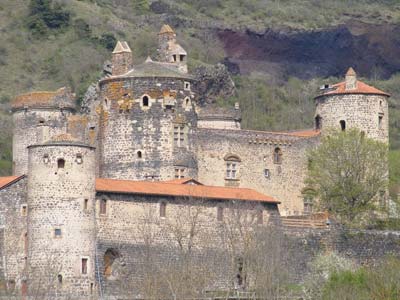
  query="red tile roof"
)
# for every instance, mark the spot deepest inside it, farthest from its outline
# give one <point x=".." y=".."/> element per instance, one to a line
<point x="180" y="190"/>
<point x="8" y="180"/>
<point x="362" y="88"/>
<point x="183" y="181"/>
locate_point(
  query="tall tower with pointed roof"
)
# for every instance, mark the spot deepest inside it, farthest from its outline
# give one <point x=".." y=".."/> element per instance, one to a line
<point x="353" y="104"/>
<point x="121" y="59"/>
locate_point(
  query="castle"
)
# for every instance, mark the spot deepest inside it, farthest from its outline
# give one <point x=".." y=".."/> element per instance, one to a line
<point x="83" y="181"/>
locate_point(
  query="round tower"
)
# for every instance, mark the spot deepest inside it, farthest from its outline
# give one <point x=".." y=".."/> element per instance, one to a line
<point x="147" y="121"/>
<point x="61" y="218"/>
<point x="36" y="117"/>
<point x="353" y="104"/>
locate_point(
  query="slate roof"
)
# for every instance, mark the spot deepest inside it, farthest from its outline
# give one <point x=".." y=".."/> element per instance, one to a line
<point x="156" y="69"/>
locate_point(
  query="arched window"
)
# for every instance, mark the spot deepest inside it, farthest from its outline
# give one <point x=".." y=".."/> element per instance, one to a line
<point x="109" y="257"/>
<point x="139" y="154"/>
<point x="318" y="122"/>
<point x="278" y="155"/>
<point x="59" y="279"/>
<point x="61" y="163"/>
<point x="145" y="101"/>
<point x="342" y="125"/>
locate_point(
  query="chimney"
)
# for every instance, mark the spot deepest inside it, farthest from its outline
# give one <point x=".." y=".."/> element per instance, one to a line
<point x="351" y="79"/>
<point x="121" y="59"/>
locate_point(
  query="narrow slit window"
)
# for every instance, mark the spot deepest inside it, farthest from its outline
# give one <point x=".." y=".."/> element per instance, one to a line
<point x="278" y="155"/>
<point x="84" y="266"/>
<point x="260" y="216"/>
<point x="139" y="154"/>
<point x="24" y="210"/>
<point x="145" y="101"/>
<point x="342" y="125"/>
<point x="220" y="213"/>
<point x="86" y="204"/>
<point x="163" y="209"/>
<point x="380" y="119"/>
<point x="59" y="279"/>
<point x="103" y="206"/>
<point x="318" y="122"/>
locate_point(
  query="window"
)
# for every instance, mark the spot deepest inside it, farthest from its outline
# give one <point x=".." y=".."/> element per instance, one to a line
<point x="220" y="213"/>
<point x="61" y="163"/>
<point x="145" y="101"/>
<point x="139" y="154"/>
<point x="163" y="209"/>
<point x="380" y="118"/>
<point x="174" y="57"/>
<point x="182" y="57"/>
<point x="41" y="121"/>
<point x="187" y="86"/>
<point x="179" y="173"/>
<point x="318" y="122"/>
<point x="278" y="156"/>
<point x="103" y="206"/>
<point x="85" y="204"/>
<point x="342" y="125"/>
<point x="59" y="279"/>
<point x="46" y="158"/>
<point x="179" y="135"/>
<point x="267" y="173"/>
<point x="24" y="210"/>
<point x="84" y="266"/>
<point x="239" y="275"/>
<point x="308" y="205"/>
<point x="231" y="170"/>
<point x="57" y="232"/>
<point x="79" y="159"/>
<point x="260" y="216"/>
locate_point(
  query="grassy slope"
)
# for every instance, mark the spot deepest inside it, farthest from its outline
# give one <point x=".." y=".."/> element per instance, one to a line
<point x="64" y="58"/>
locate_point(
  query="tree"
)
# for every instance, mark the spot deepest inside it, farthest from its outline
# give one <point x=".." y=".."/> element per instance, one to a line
<point x="348" y="174"/>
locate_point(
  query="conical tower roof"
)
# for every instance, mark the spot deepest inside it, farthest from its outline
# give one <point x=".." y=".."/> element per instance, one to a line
<point x="122" y="47"/>
<point x="166" y="29"/>
<point x="351" y="72"/>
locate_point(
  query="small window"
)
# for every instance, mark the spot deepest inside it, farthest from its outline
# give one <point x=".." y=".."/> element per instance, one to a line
<point x="187" y="86"/>
<point x="220" y="213"/>
<point x="231" y="169"/>
<point x="139" y="154"/>
<point x="41" y="121"/>
<point x="84" y="266"/>
<point x="91" y="288"/>
<point x="145" y="101"/>
<point x="278" y="155"/>
<point x="174" y="57"/>
<point x="380" y="119"/>
<point x="61" y="163"/>
<point x="57" y="232"/>
<point x="103" y="206"/>
<point x="46" y="158"/>
<point x="59" y="279"/>
<point x="181" y="57"/>
<point x="24" y="210"/>
<point x="85" y="204"/>
<point x="342" y="125"/>
<point x="163" y="209"/>
<point x="267" y="173"/>
<point x="179" y="173"/>
<point x="260" y="216"/>
<point x="79" y="159"/>
<point x="318" y="122"/>
<point x="92" y="128"/>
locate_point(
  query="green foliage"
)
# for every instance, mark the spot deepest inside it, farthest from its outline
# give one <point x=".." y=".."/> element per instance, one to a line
<point x="44" y="15"/>
<point x="140" y="7"/>
<point x="394" y="173"/>
<point x="375" y="283"/>
<point x="108" y="41"/>
<point x="347" y="174"/>
<point x="82" y="29"/>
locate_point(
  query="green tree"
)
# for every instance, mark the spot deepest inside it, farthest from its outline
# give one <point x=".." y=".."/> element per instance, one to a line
<point x="348" y="174"/>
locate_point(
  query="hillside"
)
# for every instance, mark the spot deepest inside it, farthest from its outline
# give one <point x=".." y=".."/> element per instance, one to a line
<point x="278" y="51"/>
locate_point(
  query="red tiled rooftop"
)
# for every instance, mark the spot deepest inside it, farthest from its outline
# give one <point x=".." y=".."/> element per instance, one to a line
<point x="180" y="190"/>
<point x="362" y="88"/>
<point x="6" y="181"/>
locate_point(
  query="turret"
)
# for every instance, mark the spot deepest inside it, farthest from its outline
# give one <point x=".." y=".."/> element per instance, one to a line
<point x="353" y="104"/>
<point x="169" y="50"/>
<point x="36" y="117"/>
<point x="61" y="219"/>
<point x="121" y="59"/>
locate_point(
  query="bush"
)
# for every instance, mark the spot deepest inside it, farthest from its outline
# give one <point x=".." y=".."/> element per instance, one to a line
<point x="108" y="41"/>
<point x="82" y="29"/>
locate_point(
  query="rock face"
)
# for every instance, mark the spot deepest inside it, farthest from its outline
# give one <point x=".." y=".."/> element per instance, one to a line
<point x="371" y="49"/>
<point x="213" y="82"/>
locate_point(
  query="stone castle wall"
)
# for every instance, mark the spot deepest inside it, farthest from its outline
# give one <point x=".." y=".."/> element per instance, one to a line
<point x="127" y="127"/>
<point x="61" y="198"/>
<point x="358" y="111"/>
<point x="255" y="150"/>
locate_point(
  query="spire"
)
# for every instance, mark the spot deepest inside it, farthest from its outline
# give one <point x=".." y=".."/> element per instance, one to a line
<point x="148" y="59"/>
<point x="122" y="47"/>
<point x="351" y="79"/>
